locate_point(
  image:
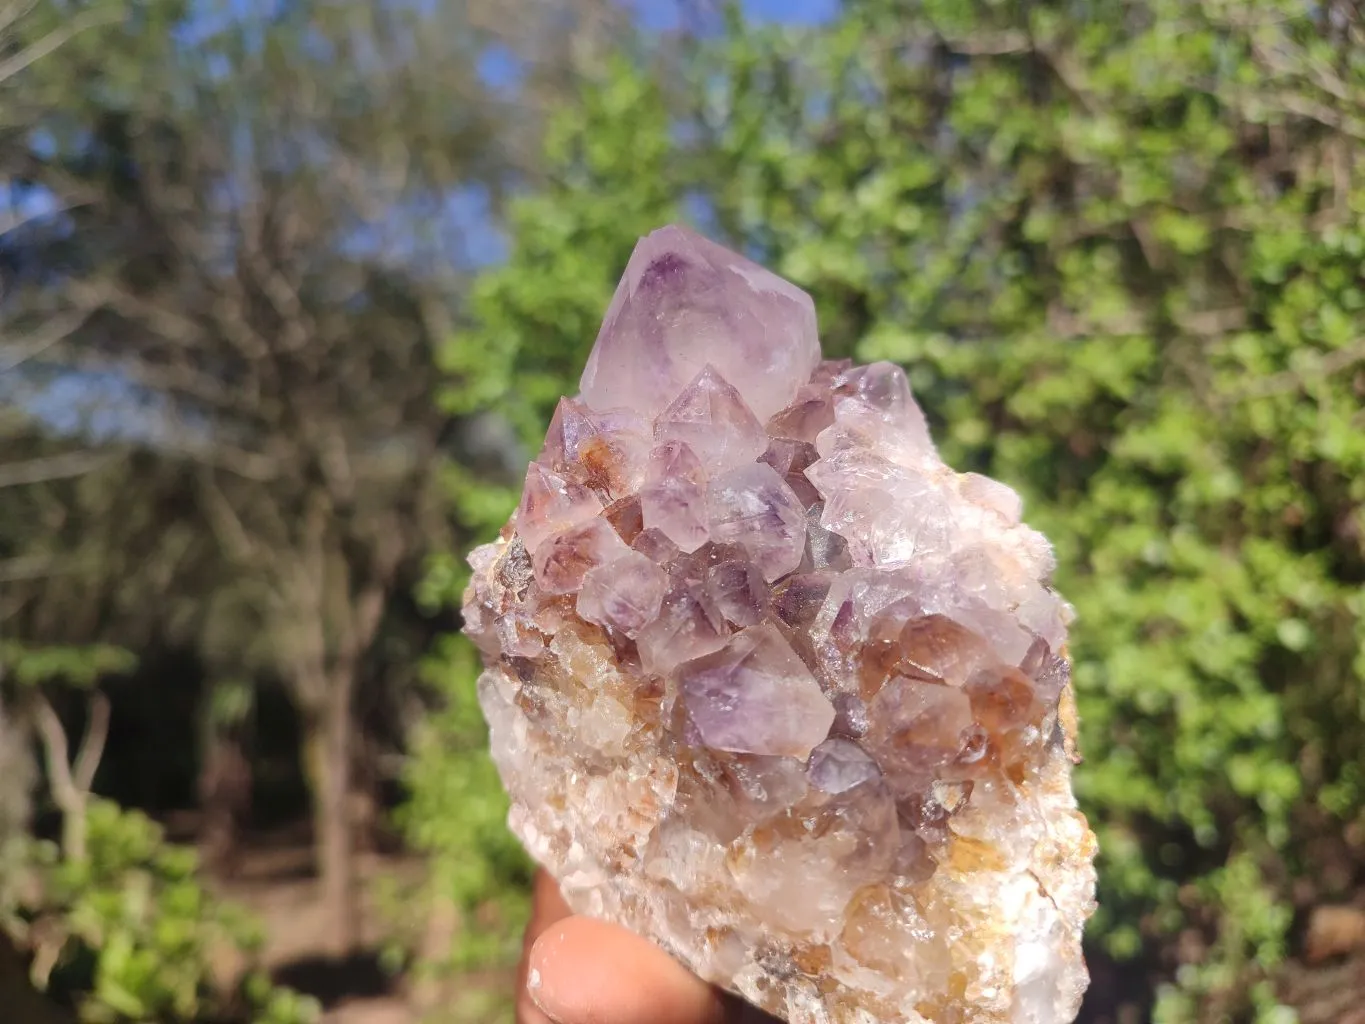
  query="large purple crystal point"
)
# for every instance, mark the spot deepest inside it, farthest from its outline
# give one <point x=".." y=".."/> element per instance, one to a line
<point x="772" y="685"/>
<point x="684" y="303"/>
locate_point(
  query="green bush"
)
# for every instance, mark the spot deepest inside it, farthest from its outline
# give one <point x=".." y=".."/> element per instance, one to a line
<point x="1117" y="248"/>
<point x="129" y="933"/>
<point x="116" y="921"/>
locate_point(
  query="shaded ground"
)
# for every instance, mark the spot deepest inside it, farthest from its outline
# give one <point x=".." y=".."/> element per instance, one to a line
<point x="276" y="883"/>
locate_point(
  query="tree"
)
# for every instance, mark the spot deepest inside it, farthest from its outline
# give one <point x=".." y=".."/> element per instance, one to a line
<point x="253" y="255"/>
<point x="18" y="471"/>
<point x="1116" y="247"/>
<point x="226" y="299"/>
<point x="250" y="248"/>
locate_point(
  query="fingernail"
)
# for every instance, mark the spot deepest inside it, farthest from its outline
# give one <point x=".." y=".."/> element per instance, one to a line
<point x="535" y="988"/>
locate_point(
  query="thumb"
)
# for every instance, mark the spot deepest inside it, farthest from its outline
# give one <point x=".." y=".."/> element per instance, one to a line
<point x="583" y="971"/>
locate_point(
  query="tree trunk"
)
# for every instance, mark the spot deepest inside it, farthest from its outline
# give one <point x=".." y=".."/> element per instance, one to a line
<point x="224" y="797"/>
<point x="328" y="742"/>
<point x="365" y="798"/>
<point x="70" y="783"/>
<point x="431" y="988"/>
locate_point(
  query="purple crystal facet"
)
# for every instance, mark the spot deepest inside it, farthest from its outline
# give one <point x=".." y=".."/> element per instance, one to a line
<point x="711" y="418"/>
<point x="688" y="626"/>
<point x="837" y="765"/>
<point x="738" y="592"/>
<point x="562" y="561"/>
<point x="918" y="726"/>
<point x="753" y="507"/>
<point x="625" y="593"/>
<point x="755" y="696"/>
<point x="673" y="500"/>
<point x="603" y="451"/>
<point x="549" y="504"/>
<point x="685" y="302"/>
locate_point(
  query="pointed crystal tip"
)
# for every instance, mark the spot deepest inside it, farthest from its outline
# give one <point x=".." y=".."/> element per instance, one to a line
<point x="685" y="302"/>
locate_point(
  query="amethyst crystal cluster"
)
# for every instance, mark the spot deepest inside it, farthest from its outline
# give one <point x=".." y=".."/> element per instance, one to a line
<point x="771" y="685"/>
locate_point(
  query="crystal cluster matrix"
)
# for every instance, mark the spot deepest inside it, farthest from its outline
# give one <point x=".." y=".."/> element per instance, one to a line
<point x="774" y="687"/>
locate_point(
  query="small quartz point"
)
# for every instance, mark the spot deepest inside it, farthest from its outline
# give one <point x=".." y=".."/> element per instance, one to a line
<point x="673" y="500"/>
<point x="772" y="685"/>
<point x="710" y="416"/>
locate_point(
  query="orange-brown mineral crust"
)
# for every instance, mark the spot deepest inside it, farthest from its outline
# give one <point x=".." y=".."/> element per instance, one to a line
<point x="771" y="685"/>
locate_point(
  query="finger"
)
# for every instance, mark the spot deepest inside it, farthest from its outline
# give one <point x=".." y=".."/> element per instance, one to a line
<point x="547" y="908"/>
<point x="588" y="972"/>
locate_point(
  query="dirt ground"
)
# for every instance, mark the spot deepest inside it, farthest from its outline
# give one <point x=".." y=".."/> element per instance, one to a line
<point x="274" y="880"/>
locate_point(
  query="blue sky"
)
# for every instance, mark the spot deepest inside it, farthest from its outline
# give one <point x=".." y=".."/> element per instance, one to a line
<point x="801" y="12"/>
<point x="791" y="12"/>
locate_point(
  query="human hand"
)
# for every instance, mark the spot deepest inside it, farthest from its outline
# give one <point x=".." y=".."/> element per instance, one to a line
<point x="575" y="970"/>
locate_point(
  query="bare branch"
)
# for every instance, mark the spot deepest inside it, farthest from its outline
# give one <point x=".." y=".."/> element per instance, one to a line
<point x="56" y="753"/>
<point x="238" y="461"/>
<point x="283" y="294"/>
<point x="1015" y="41"/>
<point x="71" y="792"/>
<point x="52" y="467"/>
<point x="92" y="744"/>
<point x="370" y="602"/>
<point x="336" y="464"/>
<point x="64" y="186"/>
<point x="1147" y="243"/>
<point x="1323" y="114"/>
<point x="20" y="350"/>
<point x="16" y="221"/>
<point x="227" y="311"/>
<point x="29" y="567"/>
<point x="158" y="378"/>
<point x="1212" y="322"/>
<point x="166" y="322"/>
<point x="11" y="13"/>
<point x="990" y="44"/>
<point x="1071" y="76"/>
<point x="54" y="39"/>
<point x="226" y="524"/>
<point x="1315" y="71"/>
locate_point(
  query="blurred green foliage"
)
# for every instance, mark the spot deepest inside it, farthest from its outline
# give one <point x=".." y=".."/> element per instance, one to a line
<point x="25" y="665"/>
<point x="130" y="934"/>
<point x="1117" y="247"/>
<point x="121" y="928"/>
<point x="612" y="174"/>
<point x="457" y="814"/>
